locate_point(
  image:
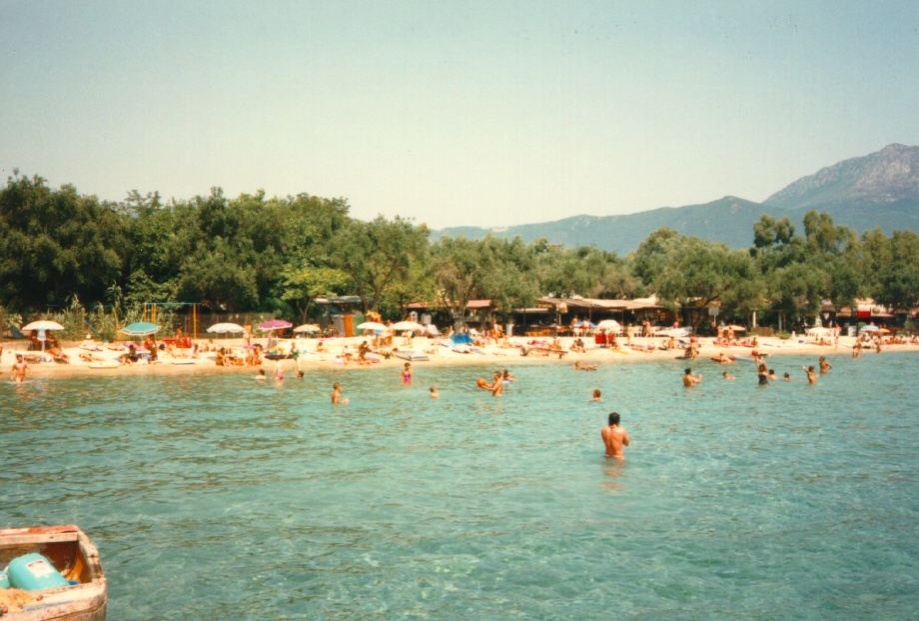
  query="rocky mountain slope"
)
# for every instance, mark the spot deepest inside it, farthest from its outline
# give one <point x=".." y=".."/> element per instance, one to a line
<point x="878" y="190"/>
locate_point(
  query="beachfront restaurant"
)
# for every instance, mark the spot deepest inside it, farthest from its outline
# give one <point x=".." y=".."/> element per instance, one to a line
<point x="569" y="311"/>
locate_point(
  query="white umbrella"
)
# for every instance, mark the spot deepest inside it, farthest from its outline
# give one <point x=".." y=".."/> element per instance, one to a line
<point x="308" y="327"/>
<point x="407" y="325"/>
<point x="224" y="328"/>
<point x="869" y="328"/>
<point x="42" y="324"/>
<point x="678" y="333"/>
<point x="371" y="325"/>
<point x="609" y="324"/>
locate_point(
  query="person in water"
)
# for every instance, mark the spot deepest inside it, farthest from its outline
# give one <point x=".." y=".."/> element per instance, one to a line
<point x="614" y="438"/>
<point x="407" y="374"/>
<point x="597" y="396"/>
<point x="496" y="388"/>
<point x="337" y="399"/>
<point x="727" y="375"/>
<point x="762" y="373"/>
<point x="811" y="374"/>
<point x="824" y="365"/>
<point x="690" y="380"/>
<point x="19" y="369"/>
<point x="434" y="393"/>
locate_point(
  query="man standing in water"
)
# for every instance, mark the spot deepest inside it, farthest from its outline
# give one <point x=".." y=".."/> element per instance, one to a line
<point x="690" y="380"/>
<point x="614" y="438"/>
<point x="19" y="370"/>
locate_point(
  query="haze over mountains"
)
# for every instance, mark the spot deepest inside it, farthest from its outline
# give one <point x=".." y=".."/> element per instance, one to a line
<point x="880" y="190"/>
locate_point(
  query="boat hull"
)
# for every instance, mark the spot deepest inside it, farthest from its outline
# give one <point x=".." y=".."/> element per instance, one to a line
<point x="75" y="556"/>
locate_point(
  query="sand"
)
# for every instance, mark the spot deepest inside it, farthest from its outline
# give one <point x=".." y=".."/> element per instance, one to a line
<point x="181" y="362"/>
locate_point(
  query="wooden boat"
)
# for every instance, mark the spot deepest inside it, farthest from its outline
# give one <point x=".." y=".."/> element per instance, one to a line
<point x="74" y="555"/>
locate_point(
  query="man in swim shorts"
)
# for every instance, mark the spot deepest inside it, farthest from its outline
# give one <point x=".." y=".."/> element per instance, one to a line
<point x="615" y="438"/>
<point x="19" y="370"/>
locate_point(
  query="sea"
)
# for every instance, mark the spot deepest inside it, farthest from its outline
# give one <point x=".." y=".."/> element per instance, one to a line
<point x="222" y="497"/>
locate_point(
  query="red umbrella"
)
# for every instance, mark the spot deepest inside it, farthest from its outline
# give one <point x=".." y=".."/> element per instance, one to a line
<point x="274" y="324"/>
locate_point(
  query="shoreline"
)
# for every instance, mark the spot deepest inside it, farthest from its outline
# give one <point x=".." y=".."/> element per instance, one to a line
<point x="437" y="353"/>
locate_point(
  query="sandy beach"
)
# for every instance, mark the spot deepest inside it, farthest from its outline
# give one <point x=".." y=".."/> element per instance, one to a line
<point x="98" y="359"/>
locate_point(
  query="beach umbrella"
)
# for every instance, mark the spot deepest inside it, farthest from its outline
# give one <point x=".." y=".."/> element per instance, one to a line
<point x="869" y="328"/>
<point x="586" y="325"/>
<point x="308" y="327"/>
<point x="609" y="324"/>
<point x="42" y="324"/>
<point x="140" y="328"/>
<point x="226" y="328"/>
<point x="407" y="325"/>
<point x="274" y="324"/>
<point x="371" y="325"/>
<point x="678" y="333"/>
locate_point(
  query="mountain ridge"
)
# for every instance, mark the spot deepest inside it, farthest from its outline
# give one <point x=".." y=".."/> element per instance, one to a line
<point x="879" y="190"/>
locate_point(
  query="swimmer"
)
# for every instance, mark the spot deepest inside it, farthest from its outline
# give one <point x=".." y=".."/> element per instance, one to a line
<point x="787" y="376"/>
<point x="496" y="387"/>
<point x="584" y="367"/>
<point x="727" y="376"/>
<point x="507" y="377"/>
<point x="772" y="375"/>
<point x="762" y="373"/>
<point x="261" y="375"/>
<point x="497" y="384"/>
<point x="337" y="399"/>
<point x="278" y="373"/>
<point x="690" y="380"/>
<point x="19" y="370"/>
<point x="614" y="438"/>
<point x="433" y="391"/>
<point x="811" y="374"/>
<point x="824" y="365"/>
<point x="597" y="396"/>
<point x="407" y="374"/>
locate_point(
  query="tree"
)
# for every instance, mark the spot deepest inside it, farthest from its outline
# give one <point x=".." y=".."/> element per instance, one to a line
<point x="55" y="244"/>
<point x="377" y="254"/>
<point x="898" y="280"/>
<point x="300" y="286"/>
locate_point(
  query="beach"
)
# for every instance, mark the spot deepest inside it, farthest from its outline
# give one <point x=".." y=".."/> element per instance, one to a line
<point x="101" y="359"/>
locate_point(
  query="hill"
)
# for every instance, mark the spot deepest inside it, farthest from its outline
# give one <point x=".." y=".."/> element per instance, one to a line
<point x="878" y="190"/>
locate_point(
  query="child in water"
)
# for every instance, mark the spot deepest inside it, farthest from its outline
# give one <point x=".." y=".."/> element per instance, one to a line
<point x="407" y="374"/>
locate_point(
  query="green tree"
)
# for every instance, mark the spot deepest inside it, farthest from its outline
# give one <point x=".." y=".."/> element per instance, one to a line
<point x="377" y="254"/>
<point x="55" y="244"/>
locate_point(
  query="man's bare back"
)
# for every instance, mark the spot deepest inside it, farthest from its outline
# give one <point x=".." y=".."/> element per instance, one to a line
<point x="615" y="438"/>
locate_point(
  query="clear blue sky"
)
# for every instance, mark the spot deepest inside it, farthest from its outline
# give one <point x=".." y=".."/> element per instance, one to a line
<point x="454" y="113"/>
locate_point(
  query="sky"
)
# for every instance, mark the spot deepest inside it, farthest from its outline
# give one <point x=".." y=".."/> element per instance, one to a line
<point x="490" y="113"/>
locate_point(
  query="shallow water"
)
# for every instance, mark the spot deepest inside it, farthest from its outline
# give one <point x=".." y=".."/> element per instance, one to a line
<point x="227" y="497"/>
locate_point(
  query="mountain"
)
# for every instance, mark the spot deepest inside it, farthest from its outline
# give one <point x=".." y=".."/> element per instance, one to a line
<point x="877" y="190"/>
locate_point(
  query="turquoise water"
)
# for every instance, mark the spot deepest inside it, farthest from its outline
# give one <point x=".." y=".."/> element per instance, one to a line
<point x="221" y="496"/>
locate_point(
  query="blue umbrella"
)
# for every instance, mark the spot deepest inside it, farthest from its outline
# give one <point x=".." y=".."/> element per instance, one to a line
<point x="141" y="328"/>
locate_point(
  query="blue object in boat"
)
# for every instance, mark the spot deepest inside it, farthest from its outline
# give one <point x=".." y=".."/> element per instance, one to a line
<point x="33" y="572"/>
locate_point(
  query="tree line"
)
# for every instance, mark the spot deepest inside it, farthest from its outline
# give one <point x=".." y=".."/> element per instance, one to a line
<point x="59" y="248"/>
